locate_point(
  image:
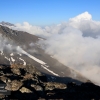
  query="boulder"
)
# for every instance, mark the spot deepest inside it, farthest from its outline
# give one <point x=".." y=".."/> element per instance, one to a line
<point x="54" y="85"/>
<point x="25" y="90"/>
<point x="13" y="85"/>
<point x="16" y="71"/>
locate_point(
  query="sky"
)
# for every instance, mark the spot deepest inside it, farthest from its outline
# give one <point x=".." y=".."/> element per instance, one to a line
<point x="46" y="12"/>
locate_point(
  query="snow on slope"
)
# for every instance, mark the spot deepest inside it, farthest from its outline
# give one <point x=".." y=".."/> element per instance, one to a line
<point x="24" y="63"/>
<point x="43" y="64"/>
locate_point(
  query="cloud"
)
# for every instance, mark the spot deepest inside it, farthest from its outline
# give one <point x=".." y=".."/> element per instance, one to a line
<point x="82" y="22"/>
<point x="5" y="44"/>
<point x="35" y="30"/>
<point x="88" y="26"/>
<point x="75" y="51"/>
<point x="8" y="46"/>
<point x="80" y="17"/>
<point x="74" y="43"/>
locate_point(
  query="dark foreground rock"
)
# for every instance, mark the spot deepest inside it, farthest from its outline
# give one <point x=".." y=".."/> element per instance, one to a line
<point x="27" y="83"/>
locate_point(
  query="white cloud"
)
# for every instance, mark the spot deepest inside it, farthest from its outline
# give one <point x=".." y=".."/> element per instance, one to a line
<point x="83" y="16"/>
<point x="82" y="22"/>
<point x="78" y="52"/>
<point x="35" y="30"/>
<point x="7" y="45"/>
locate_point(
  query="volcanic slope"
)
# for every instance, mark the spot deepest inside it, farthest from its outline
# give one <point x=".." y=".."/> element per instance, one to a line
<point x="26" y="50"/>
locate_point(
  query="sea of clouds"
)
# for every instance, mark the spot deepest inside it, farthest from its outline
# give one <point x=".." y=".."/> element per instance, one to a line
<point x="75" y="43"/>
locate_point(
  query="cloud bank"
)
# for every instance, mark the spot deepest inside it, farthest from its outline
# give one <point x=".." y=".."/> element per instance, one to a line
<point x="8" y="46"/>
<point x="75" y="43"/>
<point x="5" y="44"/>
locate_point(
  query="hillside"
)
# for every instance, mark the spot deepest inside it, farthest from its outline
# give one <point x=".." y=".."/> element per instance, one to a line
<point x="23" y="48"/>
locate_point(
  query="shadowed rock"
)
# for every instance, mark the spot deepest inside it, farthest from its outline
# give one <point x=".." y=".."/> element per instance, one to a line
<point x="35" y="86"/>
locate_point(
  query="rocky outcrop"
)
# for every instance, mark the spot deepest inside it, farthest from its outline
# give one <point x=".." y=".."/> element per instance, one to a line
<point x="13" y="85"/>
<point x="27" y="83"/>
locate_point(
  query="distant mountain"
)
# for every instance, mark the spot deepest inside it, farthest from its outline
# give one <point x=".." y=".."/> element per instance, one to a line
<point x="6" y="24"/>
<point x="23" y="48"/>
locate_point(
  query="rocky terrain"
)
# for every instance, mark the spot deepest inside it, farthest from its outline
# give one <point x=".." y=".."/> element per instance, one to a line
<point x="27" y="83"/>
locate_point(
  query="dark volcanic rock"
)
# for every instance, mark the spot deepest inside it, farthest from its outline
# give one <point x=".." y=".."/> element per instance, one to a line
<point x="16" y="71"/>
<point x="27" y="83"/>
<point x="55" y="85"/>
<point x="25" y="90"/>
<point x="13" y="85"/>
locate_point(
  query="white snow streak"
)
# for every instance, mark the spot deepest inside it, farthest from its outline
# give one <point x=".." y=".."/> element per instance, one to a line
<point x="51" y="56"/>
<point x="49" y="70"/>
<point x="32" y="57"/>
<point x="2" y="53"/>
<point x="11" y="54"/>
<point x="20" y="54"/>
<point x="23" y="61"/>
<point x="7" y="58"/>
<point x="40" y="39"/>
<point x="13" y="60"/>
<point x="43" y="64"/>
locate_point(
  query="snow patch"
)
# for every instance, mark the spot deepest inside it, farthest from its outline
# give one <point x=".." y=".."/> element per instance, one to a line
<point x="7" y="58"/>
<point x="30" y="56"/>
<point x="40" y="39"/>
<point x="51" y="56"/>
<point x="43" y="66"/>
<point x="13" y="60"/>
<point x="23" y="61"/>
<point x="11" y="54"/>
<point x="2" y="53"/>
<point x="20" y="54"/>
<point x="46" y="66"/>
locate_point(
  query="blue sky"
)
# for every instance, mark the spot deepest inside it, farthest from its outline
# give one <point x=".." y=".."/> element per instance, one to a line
<point x="46" y="12"/>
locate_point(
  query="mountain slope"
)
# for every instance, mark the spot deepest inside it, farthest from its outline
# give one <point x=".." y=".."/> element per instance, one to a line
<point x="30" y="52"/>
